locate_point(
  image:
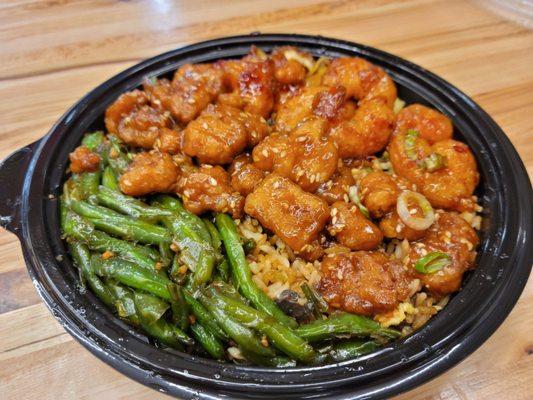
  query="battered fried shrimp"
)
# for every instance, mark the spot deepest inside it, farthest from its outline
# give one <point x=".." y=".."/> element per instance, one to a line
<point x="245" y="176"/>
<point x="208" y="188"/>
<point x="378" y="193"/>
<point x="83" y="160"/>
<point x="363" y="282"/>
<point x="361" y="79"/>
<point x="352" y="229"/>
<point x="297" y="217"/>
<point x="367" y="132"/>
<point x="429" y="123"/>
<point x="221" y="132"/>
<point x="149" y="172"/>
<point x="452" y="235"/>
<point x="445" y="171"/>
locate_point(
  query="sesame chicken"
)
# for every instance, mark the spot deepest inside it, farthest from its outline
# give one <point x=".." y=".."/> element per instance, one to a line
<point x="452" y="235"/>
<point x="83" y="160"/>
<point x="363" y="282"/>
<point x="149" y="172"/>
<point x="220" y="133"/>
<point x="352" y="229"/>
<point x="297" y="217"/>
<point x="208" y="188"/>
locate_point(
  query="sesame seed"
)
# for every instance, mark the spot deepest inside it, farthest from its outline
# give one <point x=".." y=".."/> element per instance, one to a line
<point x="264" y="152"/>
<point x="334" y="211"/>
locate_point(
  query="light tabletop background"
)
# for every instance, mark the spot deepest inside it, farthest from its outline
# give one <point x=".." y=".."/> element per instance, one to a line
<point x="52" y="52"/>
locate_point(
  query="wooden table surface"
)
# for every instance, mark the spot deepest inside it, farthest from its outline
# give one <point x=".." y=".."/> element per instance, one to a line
<point x="52" y="52"/>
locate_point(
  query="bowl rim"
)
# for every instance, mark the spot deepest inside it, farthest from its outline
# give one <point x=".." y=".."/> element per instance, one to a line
<point x="404" y="369"/>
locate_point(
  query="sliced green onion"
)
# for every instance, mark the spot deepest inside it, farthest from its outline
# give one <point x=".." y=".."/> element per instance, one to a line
<point x="432" y="262"/>
<point x="417" y="223"/>
<point x="434" y="162"/>
<point x="354" y="197"/>
<point x="410" y="143"/>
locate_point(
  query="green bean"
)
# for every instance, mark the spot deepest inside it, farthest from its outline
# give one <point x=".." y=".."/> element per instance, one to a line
<point x="208" y="340"/>
<point x="164" y="332"/>
<point x="180" y="308"/>
<point x="343" y="324"/>
<point x="87" y="183"/>
<point x="81" y="257"/>
<point x="153" y="307"/>
<point x="204" y="317"/>
<point x="228" y="290"/>
<point x="319" y="305"/>
<point x="195" y="223"/>
<point x="109" y="179"/>
<point x="125" y="303"/>
<point x="242" y="276"/>
<point x="117" y="224"/>
<point x="167" y="255"/>
<point x="281" y="337"/>
<point x="216" y="240"/>
<point x="276" y="361"/>
<point x="80" y="229"/>
<point x="244" y="337"/>
<point x="223" y="270"/>
<point x="132" y="275"/>
<point x="117" y="158"/>
<point x="93" y="141"/>
<point x="352" y="349"/>
<point x="129" y="205"/>
<point x="193" y="240"/>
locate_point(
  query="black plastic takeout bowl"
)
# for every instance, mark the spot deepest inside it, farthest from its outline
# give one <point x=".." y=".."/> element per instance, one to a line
<point x="31" y="179"/>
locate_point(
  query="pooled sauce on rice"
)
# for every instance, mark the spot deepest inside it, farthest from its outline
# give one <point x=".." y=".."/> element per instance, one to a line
<point x="339" y="184"/>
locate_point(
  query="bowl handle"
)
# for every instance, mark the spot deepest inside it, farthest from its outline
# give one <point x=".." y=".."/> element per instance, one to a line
<point x="12" y="174"/>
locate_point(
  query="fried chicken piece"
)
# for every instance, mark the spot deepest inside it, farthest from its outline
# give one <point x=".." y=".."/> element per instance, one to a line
<point x="138" y="124"/>
<point x="329" y="103"/>
<point x="193" y="87"/>
<point x="221" y="132"/>
<point x="378" y="193"/>
<point x="149" y="172"/>
<point x="452" y="235"/>
<point x="288" y="65"/>
<point x="251" y="85"/>
<point x="297" y="217"/>
<point x="337" y="188"/>
<point x="83" y="160"/>
<point x="362" y="282"/>
<point x="306" y="156"/>
<point x="352" y="229"/>
<point x="245" y="176"/>
<point x="208" y="188"/>
<point x="393" y="227"/>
